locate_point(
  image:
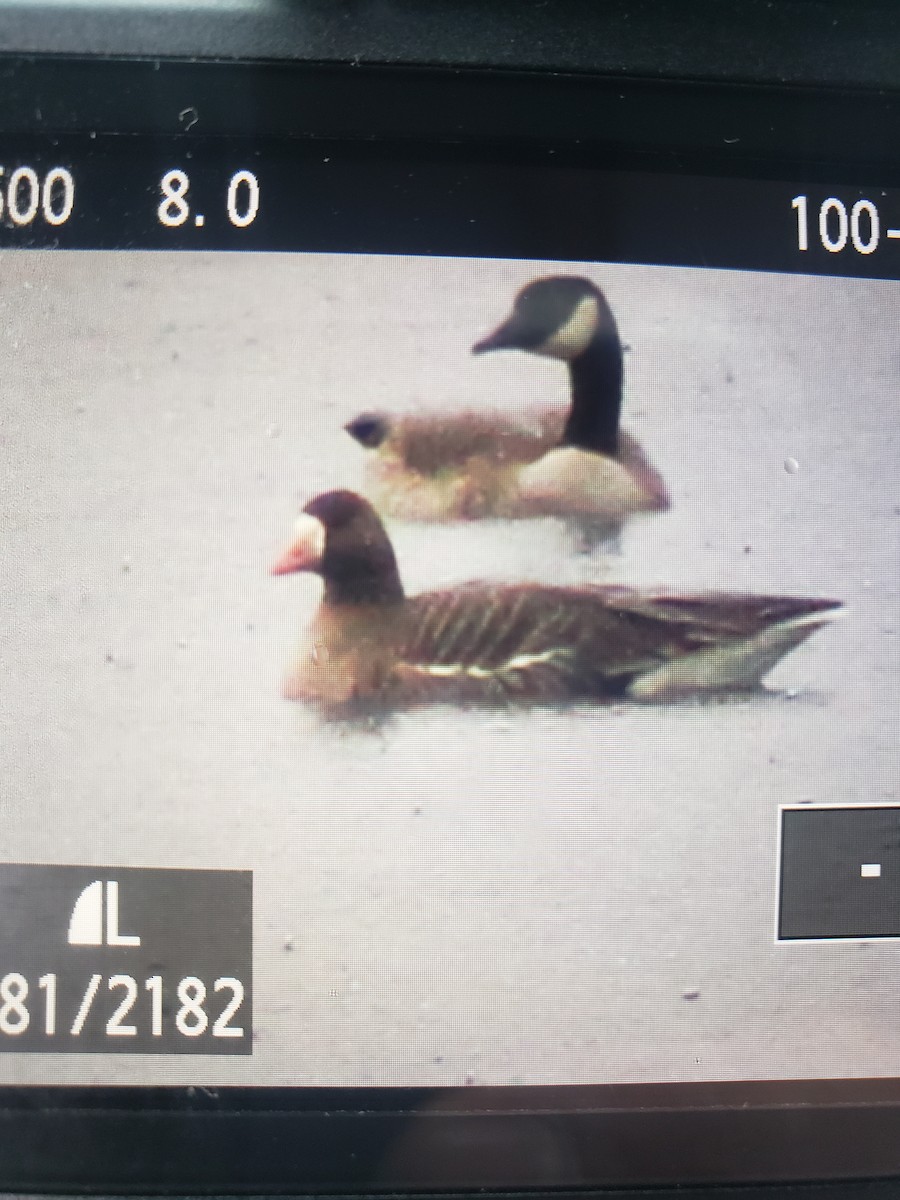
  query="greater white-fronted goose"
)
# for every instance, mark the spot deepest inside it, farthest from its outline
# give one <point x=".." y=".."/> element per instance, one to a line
<point x="498" y="644"/>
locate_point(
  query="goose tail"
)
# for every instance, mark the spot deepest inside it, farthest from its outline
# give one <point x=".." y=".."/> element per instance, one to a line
<point x="738" y="663"/>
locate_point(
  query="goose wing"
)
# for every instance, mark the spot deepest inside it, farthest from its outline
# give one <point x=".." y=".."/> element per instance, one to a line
<point x="706" y="617"/>
<point x="431" y="444"/>
<point x="714" y="641"/>
<point x="534" y="642"/>
<point x="501" y="643"/>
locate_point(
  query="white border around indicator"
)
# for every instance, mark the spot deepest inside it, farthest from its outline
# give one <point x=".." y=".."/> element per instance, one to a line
<point x="783" y="808"/>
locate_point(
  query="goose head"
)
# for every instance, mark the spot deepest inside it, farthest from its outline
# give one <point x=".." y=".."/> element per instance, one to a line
<point x="370" y="429"/>
<point x="568" y="318"/>
<point x="557" y="317"/>
<point x="339" y="536"/>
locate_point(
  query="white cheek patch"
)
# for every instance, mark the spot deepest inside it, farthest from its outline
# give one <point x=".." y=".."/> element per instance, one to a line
<point x="309" y="536"/>
<point x="573" y="338"/>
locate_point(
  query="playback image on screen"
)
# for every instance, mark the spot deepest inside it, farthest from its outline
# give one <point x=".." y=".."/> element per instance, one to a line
<point x="430" y="672"/>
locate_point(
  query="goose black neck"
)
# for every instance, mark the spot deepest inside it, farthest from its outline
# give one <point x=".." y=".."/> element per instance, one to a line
<point x="596" y="383"/>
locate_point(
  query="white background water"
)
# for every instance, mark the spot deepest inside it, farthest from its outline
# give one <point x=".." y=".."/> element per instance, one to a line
<point x="457" y="896"/>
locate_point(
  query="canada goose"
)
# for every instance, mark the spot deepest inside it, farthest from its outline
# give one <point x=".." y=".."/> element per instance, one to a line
<point x="577" y="465"/>
<point x="493" y="644"/>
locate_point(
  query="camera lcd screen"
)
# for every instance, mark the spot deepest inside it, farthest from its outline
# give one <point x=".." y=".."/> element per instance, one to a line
<point x="609" y="796"/>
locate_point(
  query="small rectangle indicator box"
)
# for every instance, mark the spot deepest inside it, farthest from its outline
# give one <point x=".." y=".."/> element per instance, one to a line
<point x="838" y="873"/>
<point x="125" y="960"/>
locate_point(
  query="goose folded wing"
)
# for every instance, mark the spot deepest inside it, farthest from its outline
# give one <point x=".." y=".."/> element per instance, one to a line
<point x="543" y="641"/>
<point x="677" y="628"/>
<point x="561" y="642"/>
<point x="430" y="444"/>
